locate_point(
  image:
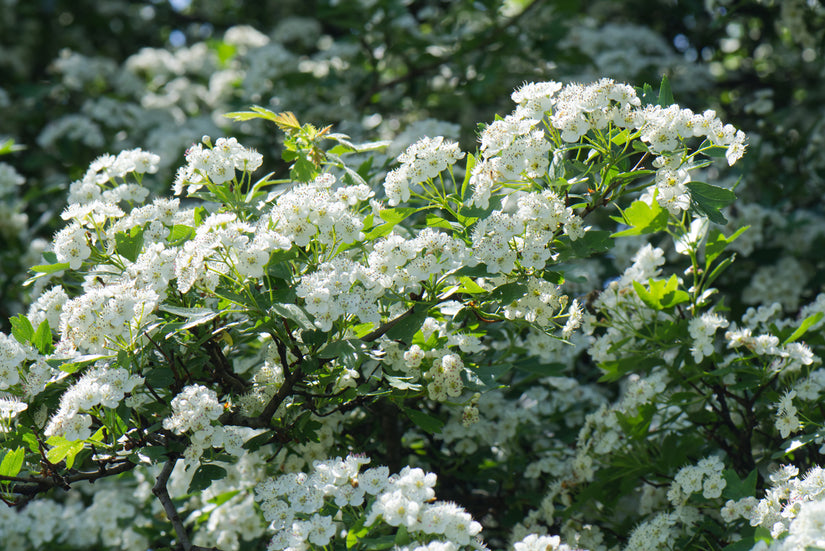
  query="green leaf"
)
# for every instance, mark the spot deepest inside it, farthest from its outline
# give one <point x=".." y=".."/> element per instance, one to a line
<point x="717" y="243"/>
<point x="405" y="329"/>
<point x="396" y="215"/>
<point x="204" y="476"/>
<point x="622" y="137"/>
<point x="402" y="383"/>
<point x="21" y="329"/>
<point x="478" y="212"/>
<point x="592" y="242"/>
<point x="434" y="221"/>
<point x="42" y="338"/>
<point x="391" y="218"/>
<point x="507" y="293"/>
<point x="159" y="377"/>
<point x="378" y="543"/>
<point x="543" y="369"/>
<point x="717" y="271"/>
<point x="639" y="146"/>
<point x="9" y="147"/>
<point x="468" y="172"/>
<point x="661" y="293"/>
<point x="616" y="369"/>
<point x="155" y="453"/>
<point x="257" y="112"/>
<point x="12" y="462"/>
<point x="357" y="532"/>
<point x="735" y="488"/>
<point x="179" y="234"/>
<point x="76" y="363"/>
<point x="255" y="443"/>
<point x="665" y="94"/>
<point x="642" y="218"/>
<point x="340" y="149"/>
<point x="50" y="268"/>
<point x="195" y="317"/>
<point x="402" y="537"/>
<point x="803" y="327"/>
<point x="556" y="278"/>
<point x="63" y="449"/>
<point x="487" y="375"/>
<point x="469" y="286"/>
<point x="224" y="51"/>
<point x="340" y="348"/>
<point x="220" y="499"/>
<point x="129" y="245"/>
<point x="425" y="421"/>
<point x="356" y="178"/>
<point x="303" y="170"/>
<point x="707" y="200"/>
<point x="646" y="296"/>
<point x="646" y="94"/>
<point x="292" y="312"/>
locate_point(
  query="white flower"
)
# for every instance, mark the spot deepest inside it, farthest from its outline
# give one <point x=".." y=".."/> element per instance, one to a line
<point x="70" y="245"/>
<point x="193" y="409"/>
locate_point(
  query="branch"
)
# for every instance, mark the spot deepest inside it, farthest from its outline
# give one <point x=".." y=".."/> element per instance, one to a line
<point x="162" y="493"/>
<point x="223" y="369"/>
<point x="375" y="335"/>
<point x="262" y="421"/>
<point x="36" y="485"/>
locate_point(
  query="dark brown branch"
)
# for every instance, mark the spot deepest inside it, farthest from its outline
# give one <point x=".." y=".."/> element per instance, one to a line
<point x="169" y="360"/>
<point x="35" y="486"/>
<point x="295" y="350"/>
<point x="223" y="369"/>
<point x="263" y="420"/>
<point x="375" y="335"/>
<point x="162" y="493"/>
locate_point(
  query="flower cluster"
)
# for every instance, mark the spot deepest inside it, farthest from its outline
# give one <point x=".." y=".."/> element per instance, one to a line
<point x="10" y="179"/>
<point x="12" y="355"/>
<point x="512" y="148"/>
<point x="101" y="386"/>
<point x="315" y="212"/>
<point x="540" y="304"/>
<point x="346" y="287"/>
<point x="521" y="232"/>
<point x="702" y="330"/>
<point x="107" y="317"/>
<point x="784" y="500"/>
<point x="704" y="477"/>
<point x="620" y="299"/>
<point x="294" y="504"/>
<point x="193" y="409"/>
<point x="100" y="182"/>
<point x="444" y="375"/>
<point x="422" y="161"/>
<point x="215" y="164"/>
<point x="787" y="420"/>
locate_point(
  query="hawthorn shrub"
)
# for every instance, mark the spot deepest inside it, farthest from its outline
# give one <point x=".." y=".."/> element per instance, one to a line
<point x="563" y="315"/>
<point x="234" y="354"/>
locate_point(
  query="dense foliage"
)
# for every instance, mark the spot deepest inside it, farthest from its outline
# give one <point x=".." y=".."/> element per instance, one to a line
<point x="417" y="275"/>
